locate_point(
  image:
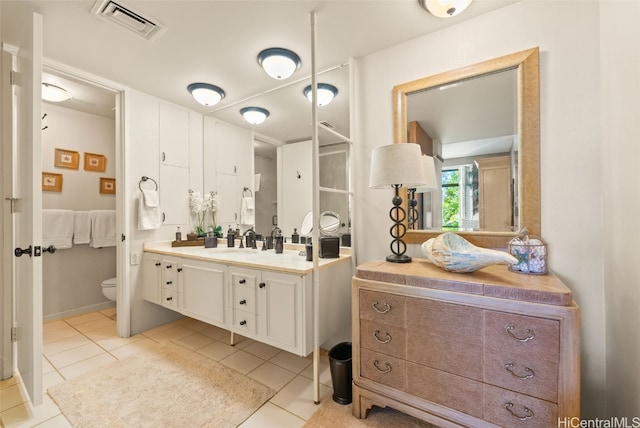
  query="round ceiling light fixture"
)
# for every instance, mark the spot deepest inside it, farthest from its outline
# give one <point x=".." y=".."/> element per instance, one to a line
<point x="444" y="8"/>
<point x="254" y="115"/>
<point x="54" y="94"/>
<point x="206" y="93"/>
<point x="326" y="93"/>
<point x="279" y="63"/>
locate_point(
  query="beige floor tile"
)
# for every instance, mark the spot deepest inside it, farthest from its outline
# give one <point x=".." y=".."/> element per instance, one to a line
<point x="291" y="361"/>
<point x="80" y="319"/>
<point x="112" y="343"/>
<point x="272" y="416"/>
<point x="53" y="325"/>
<point x="46" y="366"/>
<point x="192" y="324"/>
<point x="297" y="397"/>
<point x="72" y="356"/>
<point x="65" y="344"/>
<point x="86" y="366"/>
<point x="217" y="351"/>
<point x="170" y="335"/>
<point x="86" y="327"/>
<point x="261" y="350"/>
<point x="13" y="380"/>
<point x="26" y="415"/>
<point x="56" y="422"/>
<point x="107" y="332"/>
<point x="12" y="396"/>
<point x="241" y="342"/>
<point x="195" y="341"/>
<point x="158" y="329"/>
<point x="242" y="362"/>
<point x="324" y="371"/>
<point x="142" y="344"/>
<point x="216" y="333"/>
<point x="59" y="334"/>
<point x="271" y="375"/>
<point x="109" y="312"/>
<point x="51" y="379"/>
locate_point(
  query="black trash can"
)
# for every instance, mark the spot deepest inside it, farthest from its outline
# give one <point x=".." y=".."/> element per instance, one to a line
<point x="340" y="366"/>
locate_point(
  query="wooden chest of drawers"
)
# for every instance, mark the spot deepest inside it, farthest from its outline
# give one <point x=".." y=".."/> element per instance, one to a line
<point x="493" y="348"/>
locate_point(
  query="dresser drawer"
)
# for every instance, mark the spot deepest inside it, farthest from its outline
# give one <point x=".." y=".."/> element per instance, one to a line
<point x="444" y="353"/>
<point x="244" y="321"/>
<point x="510" y="409"/>
<point x="244" y="298"/>
<point x="443" y="388"/>
<point x="390" y="340"/>
<point x="169" y="298"/>
<point x="383" y="369"/>
<point x="384" y="308"/>
<point x="458" y="322"/>
<point x="524" y="373"/>
<point x="531" y="336"/>
<point x="243" y="279"/>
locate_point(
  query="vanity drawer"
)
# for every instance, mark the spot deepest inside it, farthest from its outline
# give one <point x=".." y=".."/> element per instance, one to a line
<point x="244" y="321"/>
<point x="510" y="409"/>
<point x="170" y="274"/>
<point x="244" y="298"/>
<point x="458" y="322"/>
<point x="243" y="279"/>
<point x="524" y="373"/>
<point x="456" y="392"/>
<point x="390" y="340"/>
<point x="169" y="298"/>
<point x="531" y="336"/>
<point x="383" y="369"/>
<point x="384" y="308"/>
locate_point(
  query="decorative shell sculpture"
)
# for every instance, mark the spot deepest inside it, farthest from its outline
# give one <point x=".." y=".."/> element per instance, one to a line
<point x="453" y="253"/>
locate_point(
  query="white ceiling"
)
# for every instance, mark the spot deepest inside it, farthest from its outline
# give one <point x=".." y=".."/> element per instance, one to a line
<point x="218" y="41"/>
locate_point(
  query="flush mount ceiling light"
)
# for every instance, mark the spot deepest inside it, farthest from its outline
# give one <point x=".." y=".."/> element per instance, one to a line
<point x="279" y="63"/>
<point x="254" y="115"/>
<point x="54" y="93"/>
<point x="206" y="93"/>
<point x="444" y="8"/>
<point x="326" y="93"/>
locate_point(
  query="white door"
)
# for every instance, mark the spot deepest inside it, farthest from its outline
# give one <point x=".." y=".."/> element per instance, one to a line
<point x="28" y="210"/>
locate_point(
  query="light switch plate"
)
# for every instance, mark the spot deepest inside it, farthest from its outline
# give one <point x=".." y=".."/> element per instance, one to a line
<point x="135" y="258"/>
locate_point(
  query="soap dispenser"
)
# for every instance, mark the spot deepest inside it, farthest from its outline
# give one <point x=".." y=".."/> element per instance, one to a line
<point x="231" y="238"/>
<point x="279" y="242"/>
<point x="295" y="238"/>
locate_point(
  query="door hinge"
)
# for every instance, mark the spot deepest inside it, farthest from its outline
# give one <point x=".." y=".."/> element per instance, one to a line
<point x="123" y="237"/>
<point x="12" y="201"/>
<point x="12" y="78"/>
<point x="14" y="334"/>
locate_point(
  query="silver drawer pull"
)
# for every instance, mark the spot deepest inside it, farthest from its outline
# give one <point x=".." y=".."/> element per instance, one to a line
<point x="387" y="367"/>
<point x="376" y="336"/>
<point x="530" y="334"/>
<point x="528" y="412"/>
<point x="530" y="373"/>
<point x="387" y="307"/>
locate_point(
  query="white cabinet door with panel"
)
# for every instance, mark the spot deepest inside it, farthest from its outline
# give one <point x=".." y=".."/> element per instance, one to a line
<point x="152" y="277"/>
<point x="203" y="291"/>
<point x="174" y="136"/>
<point x="174" y="194"/>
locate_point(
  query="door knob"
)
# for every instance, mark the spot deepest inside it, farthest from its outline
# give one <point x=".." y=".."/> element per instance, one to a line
<point x="20" y="251"/>
<point x="50" y="249"/>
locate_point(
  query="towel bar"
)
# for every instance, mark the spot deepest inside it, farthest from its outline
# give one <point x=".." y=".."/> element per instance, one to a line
<point x="145" y="178"/>
<point x="245" y="190"/>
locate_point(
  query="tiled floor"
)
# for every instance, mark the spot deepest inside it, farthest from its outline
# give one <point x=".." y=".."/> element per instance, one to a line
<point x="74" y="346"/>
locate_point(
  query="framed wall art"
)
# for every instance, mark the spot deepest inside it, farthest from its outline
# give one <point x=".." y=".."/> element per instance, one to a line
<point x="108" y="186"/>
<point x="66" y="159"/>
<point x="94" y="162"/>
<point x="51" y="182"/>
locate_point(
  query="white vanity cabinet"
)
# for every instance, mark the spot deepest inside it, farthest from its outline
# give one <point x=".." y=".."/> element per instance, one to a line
<point x="203" y="291"/>
<point x="151" y="271"/>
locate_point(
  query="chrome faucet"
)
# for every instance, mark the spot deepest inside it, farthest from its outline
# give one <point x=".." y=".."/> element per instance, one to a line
<point x="250" y="235"/>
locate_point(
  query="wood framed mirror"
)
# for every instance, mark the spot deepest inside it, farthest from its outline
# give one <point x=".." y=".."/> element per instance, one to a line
<point x="527" y="188"/>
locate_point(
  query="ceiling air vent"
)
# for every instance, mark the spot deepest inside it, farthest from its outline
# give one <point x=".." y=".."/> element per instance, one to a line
<point x="127" y="18"/>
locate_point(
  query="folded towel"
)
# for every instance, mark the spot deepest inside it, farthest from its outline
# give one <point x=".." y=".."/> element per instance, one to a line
<point x="247" y="211"/>
<point x="57" y="228"/>
<point x="256" y="182"/>
<point x="103" y="228"/>
<point x="149" y="217"/>
<point x="150" y="198"/>
<point x="81" y="227"/>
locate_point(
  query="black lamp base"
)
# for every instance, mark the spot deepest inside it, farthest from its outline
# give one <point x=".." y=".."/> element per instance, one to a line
<point x="398" y="258"/>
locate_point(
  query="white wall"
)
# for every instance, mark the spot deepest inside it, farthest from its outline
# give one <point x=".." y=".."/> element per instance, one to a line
<point x="568" y="37"/>
<point x="72" y="277"/>
<point x="620" y="108"/>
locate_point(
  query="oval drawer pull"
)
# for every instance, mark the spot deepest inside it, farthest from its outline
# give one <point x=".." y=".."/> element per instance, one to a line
<point x="530" y="335"/>
<point x="376" y="336"/>
<point x="530" y="373"/>
<point x="528" y="412"/>
<point x="387" y="307"/>
<point x="386" y="369"/>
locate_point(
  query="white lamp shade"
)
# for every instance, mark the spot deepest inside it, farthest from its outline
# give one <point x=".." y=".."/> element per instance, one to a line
<point x="430" y="175"/>
<point x="397" y="164"/>
<point x="206" y="93"/>
<point x="254" y="115"/>
<point x="445" y="8"/>
<point x="279" y="67"/>
<point x="326" y="93"/>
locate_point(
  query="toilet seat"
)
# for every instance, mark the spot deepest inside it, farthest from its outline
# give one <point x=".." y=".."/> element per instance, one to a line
<point x="111" y="282"/>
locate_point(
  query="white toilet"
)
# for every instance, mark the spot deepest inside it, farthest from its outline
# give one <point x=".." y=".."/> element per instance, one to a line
<point x="109" y="288"/>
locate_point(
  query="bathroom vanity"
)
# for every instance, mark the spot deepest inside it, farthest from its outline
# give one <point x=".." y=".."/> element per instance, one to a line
<point x="490" y="348"/>
<point x="261" y="295"/>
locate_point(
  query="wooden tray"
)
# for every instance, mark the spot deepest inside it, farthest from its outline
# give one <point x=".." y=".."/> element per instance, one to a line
<point x="197" y="243"/>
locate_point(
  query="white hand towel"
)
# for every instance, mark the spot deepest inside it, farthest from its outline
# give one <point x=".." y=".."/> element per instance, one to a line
<point x="81" y="227"/>
<point x="151" y="198"/>
<point x="247" y="211"/>
<point x="103" y="228"/>
<point x="149" y="217"/>
<point x="57" y="228"/>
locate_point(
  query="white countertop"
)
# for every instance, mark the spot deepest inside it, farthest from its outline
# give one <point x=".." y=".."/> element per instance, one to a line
<point x="289" y="261"/>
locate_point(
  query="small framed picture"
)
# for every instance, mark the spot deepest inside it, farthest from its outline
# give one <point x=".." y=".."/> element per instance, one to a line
<point x="94" y="162"/>
<point x="51" y="182"/>
<point x="66" y="159"/>
<point x="108" y="186"/>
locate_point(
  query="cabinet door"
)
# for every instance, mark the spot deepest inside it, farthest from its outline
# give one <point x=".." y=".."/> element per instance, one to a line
<point x="174" y="194"/>
<point x="151" y="277"/>
<point x="174" y="136"/>
<point x="281" y="299"/>
<point x="228" y="201"/>
<point x="203" y="293"/>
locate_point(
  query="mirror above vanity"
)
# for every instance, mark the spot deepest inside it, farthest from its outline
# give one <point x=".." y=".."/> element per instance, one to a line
<point x="507" y="151"/>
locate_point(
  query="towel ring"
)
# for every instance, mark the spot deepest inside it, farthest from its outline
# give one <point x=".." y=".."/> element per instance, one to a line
<point x="245" y="190"/>
<point x="145" y="178"/>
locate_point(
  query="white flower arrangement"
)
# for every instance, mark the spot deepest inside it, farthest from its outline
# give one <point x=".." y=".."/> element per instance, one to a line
<point x="199" y="206"/>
